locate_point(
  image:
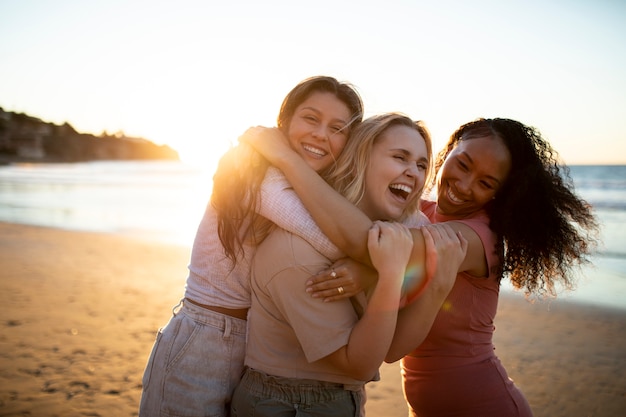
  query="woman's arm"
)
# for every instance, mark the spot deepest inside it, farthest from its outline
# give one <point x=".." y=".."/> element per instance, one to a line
<point x="340" y="220"/>
<point x="390" y="245"/>
<point x="282" y="206"/>
<point x="446" y="249"/>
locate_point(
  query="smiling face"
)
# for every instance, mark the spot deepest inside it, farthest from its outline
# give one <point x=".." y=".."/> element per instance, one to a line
<point x="471" y="175"/>
<point x="395" y="174"/>
<point x="318" y="129"/>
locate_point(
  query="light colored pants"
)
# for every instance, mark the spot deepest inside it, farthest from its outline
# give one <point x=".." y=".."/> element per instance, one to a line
<point x="195" y="364"/>
<point x="262" y="395"/>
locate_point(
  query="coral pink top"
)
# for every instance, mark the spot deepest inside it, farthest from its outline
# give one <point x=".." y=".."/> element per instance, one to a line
<point x="455" y="370"/>
<point x="463" y="329"/>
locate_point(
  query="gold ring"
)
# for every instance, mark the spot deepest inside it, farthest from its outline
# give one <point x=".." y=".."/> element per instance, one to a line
<point x="340" y="290"/>
<point x="333" y="274"/>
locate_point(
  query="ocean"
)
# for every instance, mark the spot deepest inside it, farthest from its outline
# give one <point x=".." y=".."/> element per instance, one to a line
<point x="164" y="201"/>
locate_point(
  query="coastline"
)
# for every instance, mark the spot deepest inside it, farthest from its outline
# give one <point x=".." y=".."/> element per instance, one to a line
<point x="82" y="310"/>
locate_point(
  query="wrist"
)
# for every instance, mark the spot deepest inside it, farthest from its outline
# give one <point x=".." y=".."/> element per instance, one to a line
<point x="285" y="159"/>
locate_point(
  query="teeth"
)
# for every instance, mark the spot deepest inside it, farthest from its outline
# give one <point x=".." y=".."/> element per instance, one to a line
<point x="316" y="151"/>
<point x="402" y="187"/>
<point x="401" y="190"/>
<point x="453" y="197"/>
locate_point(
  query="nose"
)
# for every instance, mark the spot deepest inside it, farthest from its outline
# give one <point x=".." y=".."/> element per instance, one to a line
<point x="463" y="185"/>
<point x="320" y="132"/>
<point x="412" y="170"/>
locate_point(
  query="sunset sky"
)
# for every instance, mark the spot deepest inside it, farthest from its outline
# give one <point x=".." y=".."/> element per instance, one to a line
<point x="196" y="74"/>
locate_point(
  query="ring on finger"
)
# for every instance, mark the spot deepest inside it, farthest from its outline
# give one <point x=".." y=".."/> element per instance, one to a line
<point x="333" y="274"/>
<point x="340" y="290"/>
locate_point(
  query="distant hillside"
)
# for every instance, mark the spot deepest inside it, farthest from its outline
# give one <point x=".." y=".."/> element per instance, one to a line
<point x="25" y="138"/>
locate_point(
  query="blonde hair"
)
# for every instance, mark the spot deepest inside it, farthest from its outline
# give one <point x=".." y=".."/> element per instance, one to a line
<point x="348" y="175"/>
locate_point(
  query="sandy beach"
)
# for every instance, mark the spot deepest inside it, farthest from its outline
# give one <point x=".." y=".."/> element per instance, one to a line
<point x="80" y="313"/>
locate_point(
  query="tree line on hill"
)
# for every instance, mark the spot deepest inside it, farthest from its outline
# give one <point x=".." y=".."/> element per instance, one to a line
<point x="24" y="138"/>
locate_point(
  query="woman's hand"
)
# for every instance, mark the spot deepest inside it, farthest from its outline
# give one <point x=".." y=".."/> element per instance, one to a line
<point x="445" y="250"/>
<point x="269" y="142"/>
<point x="390" y="245"/>
<point x="345" y="278"/>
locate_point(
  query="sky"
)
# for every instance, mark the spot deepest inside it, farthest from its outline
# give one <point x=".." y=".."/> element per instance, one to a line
<point x="195" y="74"/>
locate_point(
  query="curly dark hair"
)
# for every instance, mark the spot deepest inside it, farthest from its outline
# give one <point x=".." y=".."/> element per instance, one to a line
<point x="544" y="228"/>
<point x="238" y="178"/>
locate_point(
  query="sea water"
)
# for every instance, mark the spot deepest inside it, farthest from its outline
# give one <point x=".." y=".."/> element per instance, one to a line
<point x="164" y="201"/>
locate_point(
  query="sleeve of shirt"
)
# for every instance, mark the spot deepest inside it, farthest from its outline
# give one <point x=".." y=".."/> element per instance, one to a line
<point x="281" y="205"/>
<point x="480" y="225"/>
<point x="416" y="220"/>
<point x="321" y="328"/>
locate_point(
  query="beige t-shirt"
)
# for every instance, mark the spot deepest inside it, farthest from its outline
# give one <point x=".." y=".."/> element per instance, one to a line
<point x="213" y="279"/>
<point x="288" y="330"/>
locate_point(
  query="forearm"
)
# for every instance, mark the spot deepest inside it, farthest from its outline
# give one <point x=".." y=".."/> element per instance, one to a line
<point x="371" y="337"/>
<point x="281" y="205"/>
<point x="340" y="220"/>
<point x="414" y="323"/>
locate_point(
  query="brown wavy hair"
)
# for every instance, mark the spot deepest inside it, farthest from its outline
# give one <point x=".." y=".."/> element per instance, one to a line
<point x="240" y="172"/>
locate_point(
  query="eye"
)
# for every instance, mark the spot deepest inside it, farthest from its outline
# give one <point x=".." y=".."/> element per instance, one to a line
<point x="422" y="166"/>
<point x="400" y="157"/>
<point x="487" y="185"/>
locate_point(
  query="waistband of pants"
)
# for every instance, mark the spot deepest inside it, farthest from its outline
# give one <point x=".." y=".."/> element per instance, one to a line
<point x="212" y="318"/>
<point x="239" y="313"/>
<point x="295" y="388"/>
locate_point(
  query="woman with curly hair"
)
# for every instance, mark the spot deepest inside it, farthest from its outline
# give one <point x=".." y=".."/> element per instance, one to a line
<point x="499" y="183"/>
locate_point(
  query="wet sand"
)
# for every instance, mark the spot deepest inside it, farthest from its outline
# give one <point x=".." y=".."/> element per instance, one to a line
<point x="80" y="313"/>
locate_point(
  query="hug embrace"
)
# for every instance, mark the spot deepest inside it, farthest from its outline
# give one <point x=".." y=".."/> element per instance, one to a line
<point x="317" y="259"/>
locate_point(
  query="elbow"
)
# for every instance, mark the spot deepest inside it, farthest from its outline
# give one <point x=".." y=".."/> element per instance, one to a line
<point x="365" y="374"/>
<point x="392" y="357"/>
<point x="362" y="371"/>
